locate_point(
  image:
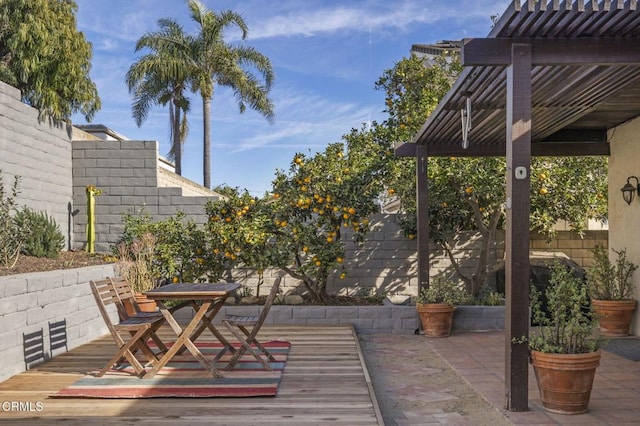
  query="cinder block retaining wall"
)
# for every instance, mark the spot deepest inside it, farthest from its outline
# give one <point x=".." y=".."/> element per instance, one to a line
<point x="28" y="302"/>
<point x="390" y="319"/>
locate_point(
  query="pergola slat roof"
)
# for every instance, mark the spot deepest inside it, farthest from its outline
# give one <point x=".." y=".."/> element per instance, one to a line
<point x="572" y="105"/>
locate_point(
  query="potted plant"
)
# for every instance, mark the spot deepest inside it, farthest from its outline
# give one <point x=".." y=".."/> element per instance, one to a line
<point x="611" y="291"/>
<point x="563" y="351"/>
<point x="136" y="265"/>
<point x="436" y="304"/>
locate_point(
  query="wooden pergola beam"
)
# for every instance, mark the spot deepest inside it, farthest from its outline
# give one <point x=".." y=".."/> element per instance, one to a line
<point x="560" y="144"/>
<point x="553" y="51"/>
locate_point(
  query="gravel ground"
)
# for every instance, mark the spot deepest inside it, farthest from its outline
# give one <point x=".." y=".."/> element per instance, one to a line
<point x="415" y="386"/>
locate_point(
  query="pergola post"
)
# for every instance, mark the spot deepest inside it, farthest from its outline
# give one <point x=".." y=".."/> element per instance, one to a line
<point x="518" y="151"/>
<point x="422" y="207"/>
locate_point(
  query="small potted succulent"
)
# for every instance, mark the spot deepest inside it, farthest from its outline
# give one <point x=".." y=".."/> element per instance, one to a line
<point x="436" y="304"/>
<point x="563" y="350"/>
<point x="611" y="291"/>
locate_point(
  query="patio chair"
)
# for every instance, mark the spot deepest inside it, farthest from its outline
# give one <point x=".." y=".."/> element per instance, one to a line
<point x="239" y="325"/>
<point x="140" y="329"/>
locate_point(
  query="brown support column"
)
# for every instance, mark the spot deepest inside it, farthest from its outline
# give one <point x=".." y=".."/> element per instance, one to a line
<point x="422" y="206"/>
<point x="517" y="234"/>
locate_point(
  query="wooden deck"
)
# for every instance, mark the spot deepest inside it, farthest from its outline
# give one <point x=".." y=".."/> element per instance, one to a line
<point x="325" y="381"/>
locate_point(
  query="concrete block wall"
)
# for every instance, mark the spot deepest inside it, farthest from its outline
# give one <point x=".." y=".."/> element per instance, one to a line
<point x="38" y="152"/>
<point x="28" y="302"/>
<point x="387" y="261"/>
<point x="366" y="319"/>
<point x="570" y="243"/>
<point x="127" y="174"/>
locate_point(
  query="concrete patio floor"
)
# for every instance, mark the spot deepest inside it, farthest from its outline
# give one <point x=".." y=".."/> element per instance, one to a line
<point x="479" y="359"/>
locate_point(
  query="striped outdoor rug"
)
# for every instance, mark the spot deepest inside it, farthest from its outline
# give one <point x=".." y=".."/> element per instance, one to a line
<point x="185" y="377"/>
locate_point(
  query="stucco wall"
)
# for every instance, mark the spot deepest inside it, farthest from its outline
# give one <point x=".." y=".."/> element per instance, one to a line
<point x="624" y="219"/>
<point x="40" y="153"/>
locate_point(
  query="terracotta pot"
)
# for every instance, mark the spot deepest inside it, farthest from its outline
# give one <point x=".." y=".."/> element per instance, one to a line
<point x="144" y="304"/>
<point x="436" y="318"/>
<point x="614" y="316"/>
<point x="565" y="380"/>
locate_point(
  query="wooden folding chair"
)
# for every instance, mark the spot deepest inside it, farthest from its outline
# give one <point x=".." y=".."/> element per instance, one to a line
<point x="139" y="329"/>
<point x="237" y="324"/>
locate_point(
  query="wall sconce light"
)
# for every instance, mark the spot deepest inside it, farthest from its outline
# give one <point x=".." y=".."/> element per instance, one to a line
<point x="629" y="190"/>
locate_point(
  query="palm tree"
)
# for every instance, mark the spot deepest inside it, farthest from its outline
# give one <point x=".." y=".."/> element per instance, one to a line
<point x="160" y="78"/>
<point x="215" y="62"/>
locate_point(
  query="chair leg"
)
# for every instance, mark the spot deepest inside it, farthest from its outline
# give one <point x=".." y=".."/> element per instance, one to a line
<point x="246" y="347"/>
<point x="125" y="351"/>
<point x="252" y="340"/>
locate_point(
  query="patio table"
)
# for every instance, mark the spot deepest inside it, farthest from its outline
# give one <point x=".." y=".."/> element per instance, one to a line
<point x="206" y="299"/>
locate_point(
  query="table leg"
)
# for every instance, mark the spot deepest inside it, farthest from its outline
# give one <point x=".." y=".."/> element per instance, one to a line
<point x="184" y="340"/>
<point x="207" y="323"/>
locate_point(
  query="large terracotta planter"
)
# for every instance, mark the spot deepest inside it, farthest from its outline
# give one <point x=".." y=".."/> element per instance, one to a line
<point x="565" y="380"/>
<point x="614" y="316"/>
<point x="436" y="318"/>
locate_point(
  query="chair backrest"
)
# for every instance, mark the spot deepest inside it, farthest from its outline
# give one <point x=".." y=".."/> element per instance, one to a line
<point x="57" y="336"/>
<point x="105" y="295"/>
<point x="267" y="304"/>
<point x="125" y="296"/>
<point x="33" y="347"/>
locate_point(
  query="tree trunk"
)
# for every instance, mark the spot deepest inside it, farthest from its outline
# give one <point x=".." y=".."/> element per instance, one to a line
<point x="177" y="142"/>
<point x="206" y="141"/>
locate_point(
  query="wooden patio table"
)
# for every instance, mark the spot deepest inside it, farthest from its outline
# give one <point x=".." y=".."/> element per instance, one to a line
<point x="206" y="299"/>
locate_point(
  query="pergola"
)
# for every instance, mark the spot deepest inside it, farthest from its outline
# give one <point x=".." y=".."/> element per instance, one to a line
<point x="550" y="79"/>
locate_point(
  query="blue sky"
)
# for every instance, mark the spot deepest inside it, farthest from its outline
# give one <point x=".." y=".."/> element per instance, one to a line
<point x="326" y="54"/>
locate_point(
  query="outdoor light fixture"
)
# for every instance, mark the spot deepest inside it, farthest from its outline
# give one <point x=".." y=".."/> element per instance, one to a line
<point x="629" y="190"/>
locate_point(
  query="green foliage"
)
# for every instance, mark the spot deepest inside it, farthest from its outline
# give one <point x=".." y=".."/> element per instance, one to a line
<point x="443" y="290"/>
<point x="320" y="198"/>
<point x="12" y="236"/>
<point x="180" y="252"/>
<point x="202" y="61"/>
<point x="569" y="325"/>
<point x="468" y="194"/>
<point x="609" y="281"/>
<point x="44" y="238"/>
<point x="154" y="79"/>
<point x="488" y="297"/>
<point x="44" y="55"/>
<point x="239" y="233"/>
<point x="299" y="228"/>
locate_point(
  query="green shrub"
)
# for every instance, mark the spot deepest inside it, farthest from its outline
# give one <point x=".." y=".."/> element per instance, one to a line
<point x="12" y="236"/>
<point x="44" y="238"/>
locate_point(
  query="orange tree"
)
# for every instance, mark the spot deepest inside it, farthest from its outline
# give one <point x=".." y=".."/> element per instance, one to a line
<point x="469" y="193"/>
<point x="239" y="233"/>
<point x="299" y="227"/>
<point x="320" y="198"/>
